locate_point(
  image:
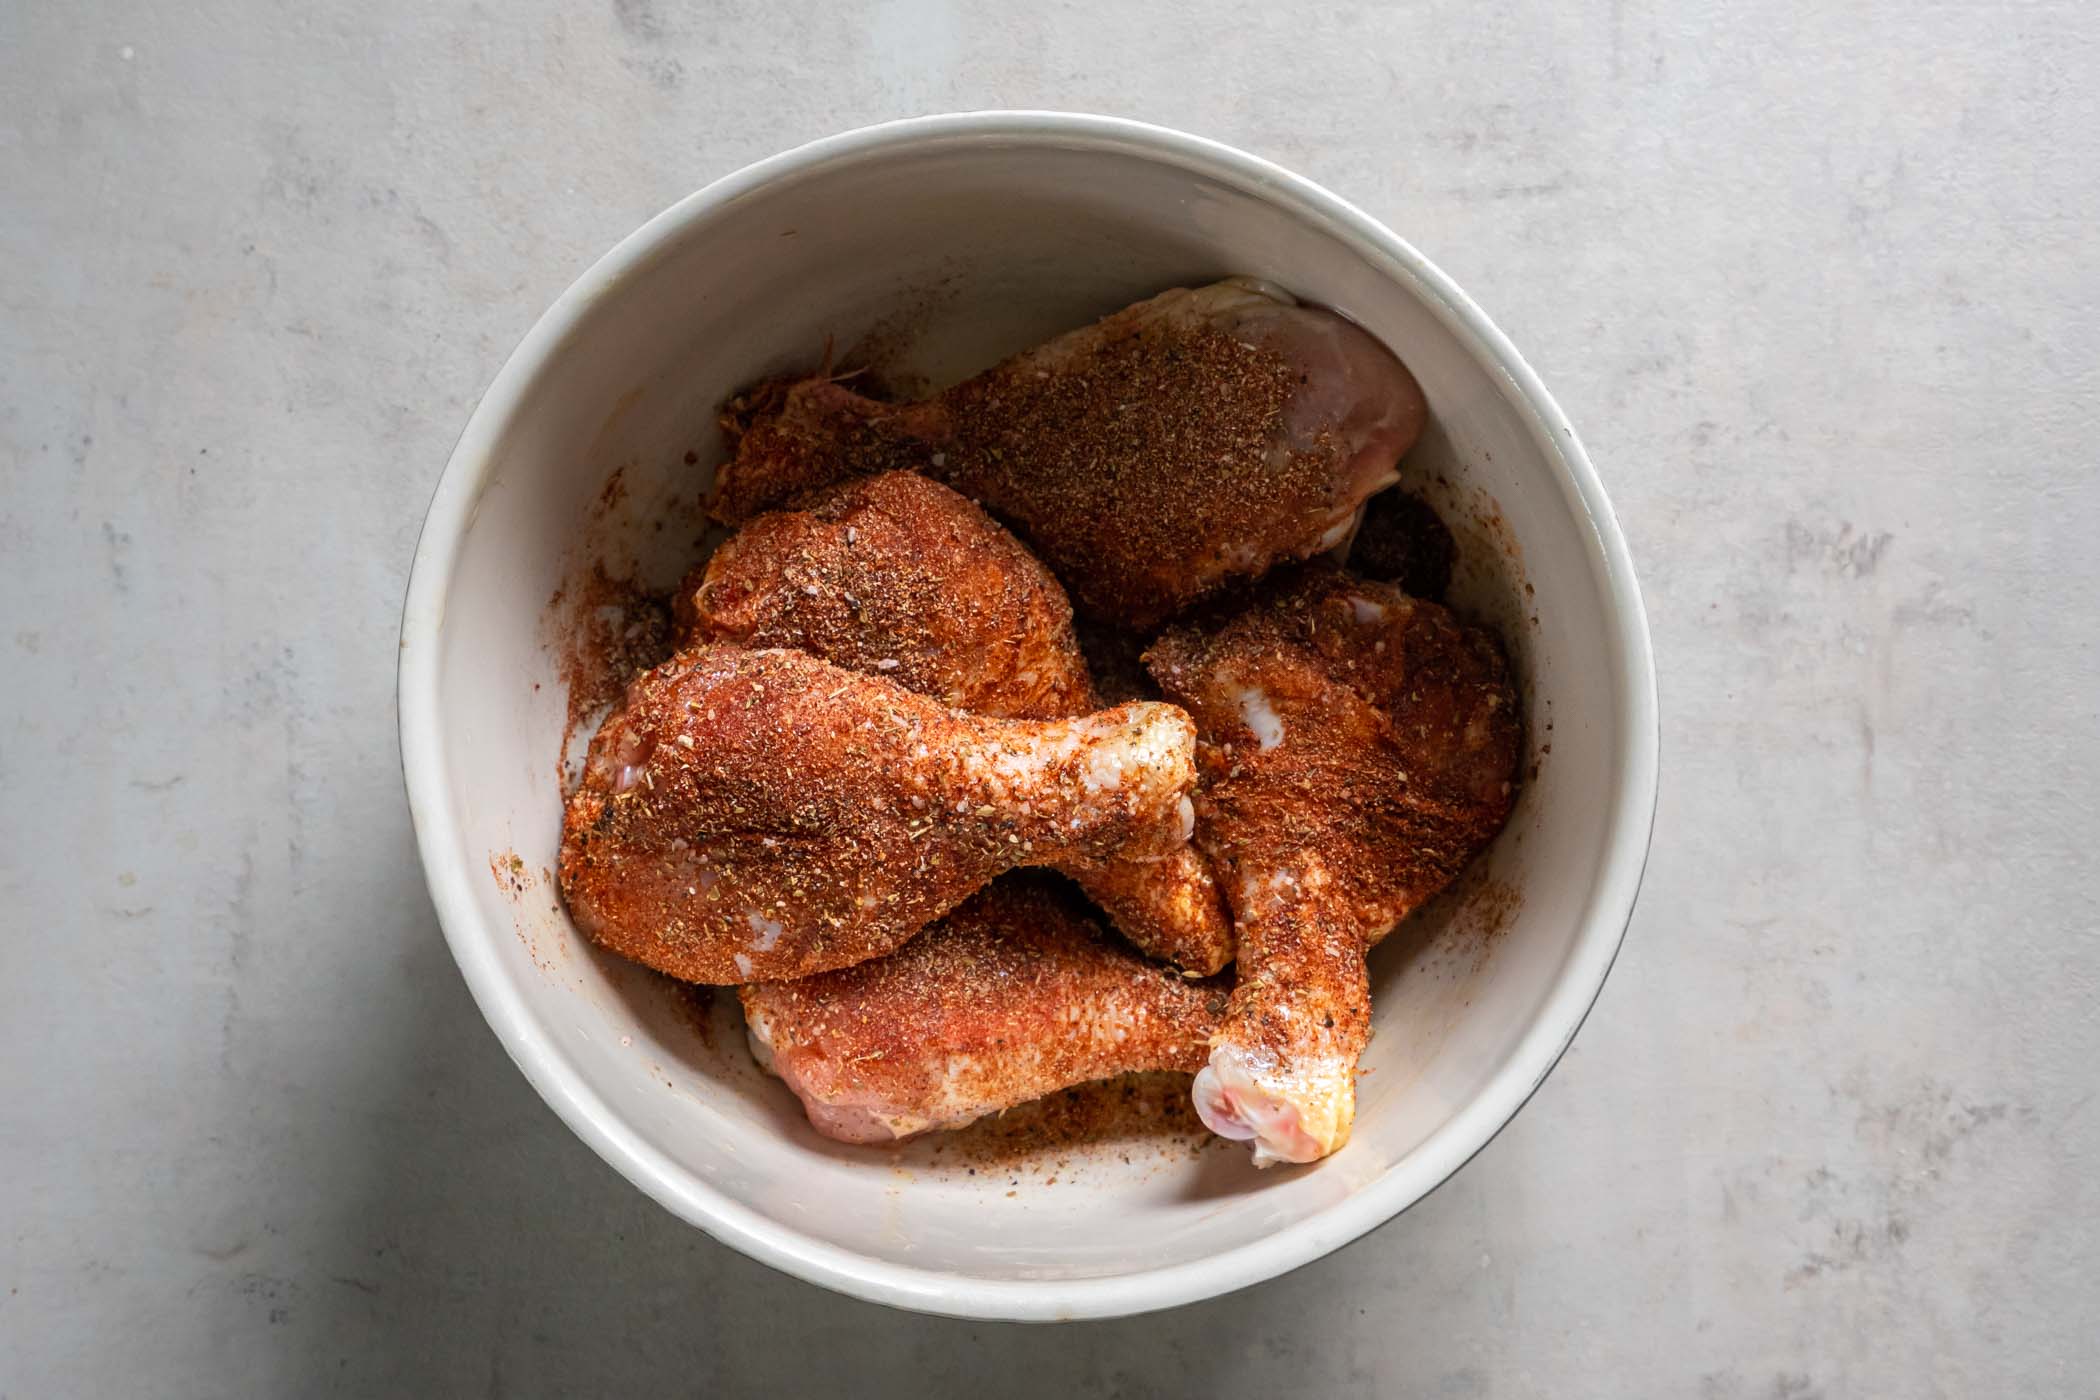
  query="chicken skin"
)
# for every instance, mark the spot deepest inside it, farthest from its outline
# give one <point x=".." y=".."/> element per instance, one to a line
<point x="1181" y="444"/>
<point x="1358" y="748"/>
<point x="1014" y="995"/>
<point x="896" y="575"/>
<point x="751" y="815"/>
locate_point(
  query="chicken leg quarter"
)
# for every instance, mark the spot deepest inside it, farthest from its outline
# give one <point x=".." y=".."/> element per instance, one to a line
<point x="1181" y="444"/>
<point x="749" y="815"/>
<point x="1358" y="749"/>
<point x="898" y="576"/>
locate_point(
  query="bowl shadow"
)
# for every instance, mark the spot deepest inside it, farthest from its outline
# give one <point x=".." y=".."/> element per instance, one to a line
<point x="473" y="1244"/>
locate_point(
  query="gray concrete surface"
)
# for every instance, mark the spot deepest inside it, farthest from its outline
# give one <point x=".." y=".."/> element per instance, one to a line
<point x="1816" y="282"/>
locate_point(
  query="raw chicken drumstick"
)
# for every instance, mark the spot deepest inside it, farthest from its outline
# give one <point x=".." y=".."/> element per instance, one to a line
<point x="1016" y="994"/>
<point x="749" y="815"/>
<point x="1358" y="749"/>
<point x="898" y="576"/>
<point x="1185" y="442"/>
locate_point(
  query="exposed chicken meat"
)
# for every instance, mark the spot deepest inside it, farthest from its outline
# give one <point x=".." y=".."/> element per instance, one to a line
<point x="898" y="576"/>
<point x="749" y="815"/>
<point x="1185" y="442"/>
<point x="1014" y="995"/>
<point x="1358" y="749"/>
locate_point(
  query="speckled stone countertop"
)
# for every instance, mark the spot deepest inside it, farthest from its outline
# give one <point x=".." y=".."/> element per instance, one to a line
<point x="1816" y="283"/>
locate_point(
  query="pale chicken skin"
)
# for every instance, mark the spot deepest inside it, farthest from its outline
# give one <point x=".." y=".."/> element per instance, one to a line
<point x="1015" y="994"/>
<point x="1358" y="749"/>
<point x="897" y="575"/>
<point x="749" y="815"/>
<point x="1182" y="444"/>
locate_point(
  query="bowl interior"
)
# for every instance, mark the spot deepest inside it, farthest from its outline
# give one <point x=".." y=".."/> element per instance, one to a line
<point x="935" y="259"/>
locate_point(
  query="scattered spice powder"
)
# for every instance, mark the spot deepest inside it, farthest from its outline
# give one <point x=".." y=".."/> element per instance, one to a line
<point x="1125" y="1118"/>
<point x="615" y="630"/>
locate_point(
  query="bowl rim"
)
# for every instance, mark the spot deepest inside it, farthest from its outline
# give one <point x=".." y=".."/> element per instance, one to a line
<point x="1602" y="925"/>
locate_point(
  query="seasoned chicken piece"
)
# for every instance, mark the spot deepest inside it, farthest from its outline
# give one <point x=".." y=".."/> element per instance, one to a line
<point x="1014" y="995"/>
<point x="1358" y="749"/>
<point x="749" y="815"/>
<point x="898" y="576"/>
<point x="1183" y="443"/>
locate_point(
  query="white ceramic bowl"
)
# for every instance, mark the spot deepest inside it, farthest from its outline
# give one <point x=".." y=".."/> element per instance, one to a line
<point x="952" y="241"/>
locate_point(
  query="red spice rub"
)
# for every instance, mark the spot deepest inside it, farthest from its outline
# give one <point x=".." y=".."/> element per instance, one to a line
<point x="1359" y="748"/>
<point x="898" y="576"/>
<point x="1151" y="459"/>
<point x="760" y="814"/>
